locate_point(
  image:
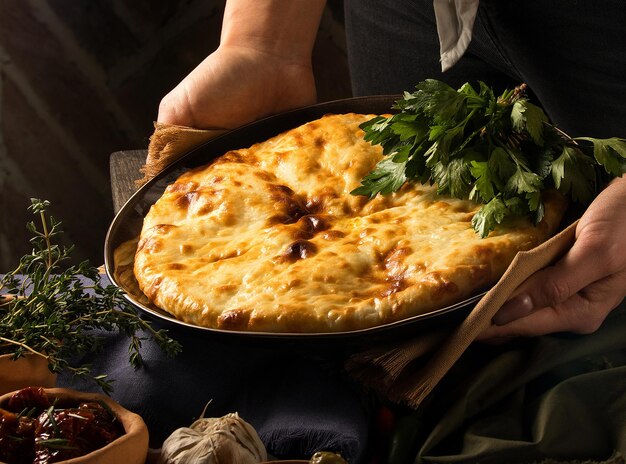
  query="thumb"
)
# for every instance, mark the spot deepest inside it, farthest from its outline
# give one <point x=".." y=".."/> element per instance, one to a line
<point x="554" y="284"/>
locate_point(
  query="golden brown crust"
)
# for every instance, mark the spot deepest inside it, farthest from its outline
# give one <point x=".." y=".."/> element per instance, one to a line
<point x="269" y="239"/>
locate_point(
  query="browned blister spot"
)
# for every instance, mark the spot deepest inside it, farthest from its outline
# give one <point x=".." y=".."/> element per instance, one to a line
<point x="231" y="157"/>
<point x="299" y="234"/>
<point x="367" y="232"/>
<point x="153" y="288"/>
<point x="319" y="142"/>
<point x="394" y="269"/>
<point x="162" y="229"/>
<point x="483" y="253"/>
<point x="396" y="255"/>
<point x="361" y="201"/>
<point x="177" y="187"/>
<point x="315" y="204"/>
<point x="184" y="202"/>
<point x="264" y="175"/>
<point x="228" y="288"/>
<point x="298" y="139"/>
<point x="176" y="266"/>
<point x="300" y="249"/>
<point x="206" y="208"/>
<point x="466" y="217"/>
<point x="440" y="285"/>
<point x="381" y="218"/>
<point x="186" y="249"/>
<point x="310" y="127"/>
<point x="234" y="253"/>
<point x="229" y="217"/>
<point x="280" y="190"/>
<point x="279" y="219"/>
<point x="290" y="284"/>
<point x="234" y="319"/>
<point x="281" y="157"/>
<point x="287" y="204"/>
<point x="150" y="244"/>
<point x="312" y="223"/>
<point x="333" y="235"/>
<point x="346" y="209"/>
<point x="480" y="274"/>
<point x="141" y="244"/>
<point x="393" y="286"/>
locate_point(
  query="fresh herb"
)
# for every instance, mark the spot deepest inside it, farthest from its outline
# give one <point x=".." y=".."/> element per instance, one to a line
<point x="53" y="422"/>
<point x="55" y="312"/>
<point x="56" y="443"/>
<point x="500" y="151"/>
<point x="108" y="409"/>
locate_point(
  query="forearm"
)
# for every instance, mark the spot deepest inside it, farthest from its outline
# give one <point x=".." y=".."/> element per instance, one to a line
<point x="286" y="28"/>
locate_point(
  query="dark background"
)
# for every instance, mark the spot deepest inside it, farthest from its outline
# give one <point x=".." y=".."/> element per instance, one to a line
<point x="82" y="79"/>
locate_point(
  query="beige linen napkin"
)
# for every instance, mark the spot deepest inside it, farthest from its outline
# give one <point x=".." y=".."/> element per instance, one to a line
<point x="168" y="143"/>
<point x="405" y="372"/>
<point x="408" y="372"/>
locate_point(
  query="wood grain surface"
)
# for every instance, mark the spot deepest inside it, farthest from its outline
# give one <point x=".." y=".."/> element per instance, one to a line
<point x="124" y="168"/>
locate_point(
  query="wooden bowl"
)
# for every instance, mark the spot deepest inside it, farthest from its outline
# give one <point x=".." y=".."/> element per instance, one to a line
<point x="30" y="370"/>
<point x="130" y="448"/>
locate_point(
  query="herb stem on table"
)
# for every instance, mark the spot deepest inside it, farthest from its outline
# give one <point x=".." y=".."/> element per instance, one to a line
<point x="53" y="311"/>
<point x="8" y="342"/>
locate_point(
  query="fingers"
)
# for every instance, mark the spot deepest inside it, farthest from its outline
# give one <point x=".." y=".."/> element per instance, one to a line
<point x="582" y="312"/>
<point x="175" y="108"/>
<point x="574" y="295"/>
<point x="589" y="260"/>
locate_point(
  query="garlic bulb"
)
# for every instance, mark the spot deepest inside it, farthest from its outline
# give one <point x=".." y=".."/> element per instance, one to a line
<point x="222" y="440"/>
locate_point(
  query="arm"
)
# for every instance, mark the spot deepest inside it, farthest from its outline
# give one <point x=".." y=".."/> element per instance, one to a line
<point x="262" y="66"/>
<point x="581" y="289"/>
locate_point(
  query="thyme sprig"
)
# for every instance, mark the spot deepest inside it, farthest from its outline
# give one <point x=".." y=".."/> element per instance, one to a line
<point x="56" y="311"/>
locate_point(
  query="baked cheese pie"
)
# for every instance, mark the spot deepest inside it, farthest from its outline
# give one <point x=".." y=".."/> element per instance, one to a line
<point x="269" y="239"/>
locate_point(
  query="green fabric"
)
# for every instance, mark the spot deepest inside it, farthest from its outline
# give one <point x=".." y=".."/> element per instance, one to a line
<point x="559" y="397"/>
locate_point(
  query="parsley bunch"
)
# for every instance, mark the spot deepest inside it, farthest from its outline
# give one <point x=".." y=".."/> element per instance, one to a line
<point x="500" y="151"/>
<point x="52" y="312"/>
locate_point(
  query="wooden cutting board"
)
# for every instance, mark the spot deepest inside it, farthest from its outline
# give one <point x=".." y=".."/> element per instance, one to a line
<point x="124" y="169"/>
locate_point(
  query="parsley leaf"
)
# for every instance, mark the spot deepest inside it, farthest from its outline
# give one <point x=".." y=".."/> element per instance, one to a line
<point x="489" y="216"/>
<point x="501" y="151"/>
<point x="527" y="117"/>
<point x="387" y="177"/>
<point x="573" y="173"/>
<point x="523" y="181"/>
<point x="484" y="188"/>
<point x="611" y="153"/>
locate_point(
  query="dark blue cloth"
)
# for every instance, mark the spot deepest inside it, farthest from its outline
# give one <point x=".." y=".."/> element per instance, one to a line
<point x="297" y="402"/>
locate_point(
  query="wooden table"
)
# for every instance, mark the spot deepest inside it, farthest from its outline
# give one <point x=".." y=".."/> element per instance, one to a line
<point x="124" y="169"/>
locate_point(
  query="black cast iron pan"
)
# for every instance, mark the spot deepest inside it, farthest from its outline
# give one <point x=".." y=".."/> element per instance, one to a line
<point x="127" y="225"/>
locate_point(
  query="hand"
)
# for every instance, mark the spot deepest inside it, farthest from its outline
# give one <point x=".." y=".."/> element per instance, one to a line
<point x="583" y="287"/>
<point x="236" y="85"/>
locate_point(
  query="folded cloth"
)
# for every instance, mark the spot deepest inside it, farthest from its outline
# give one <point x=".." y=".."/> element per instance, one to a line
<point x="391" y="370"/>
<point x="297" y="404"/>
<point x="168" y="143"/>
<point x="560" y="397"/>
